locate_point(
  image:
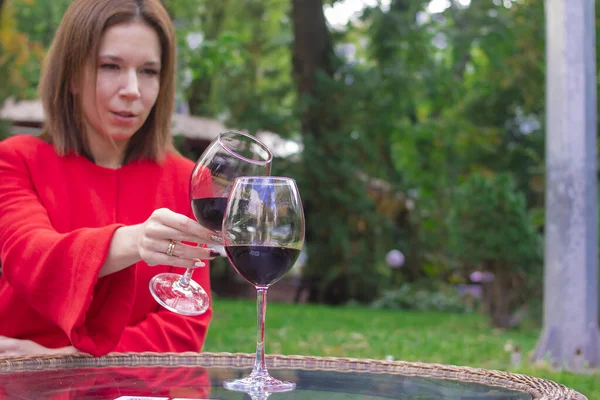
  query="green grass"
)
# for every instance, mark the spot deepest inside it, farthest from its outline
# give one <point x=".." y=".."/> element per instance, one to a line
<point x="366" y="333"/>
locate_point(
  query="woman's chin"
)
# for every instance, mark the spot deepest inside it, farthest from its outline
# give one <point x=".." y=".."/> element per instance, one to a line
<point x="121" y="137"/>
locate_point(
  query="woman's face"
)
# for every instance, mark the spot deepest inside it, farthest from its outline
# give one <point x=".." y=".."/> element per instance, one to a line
<point x="127" y="82"/>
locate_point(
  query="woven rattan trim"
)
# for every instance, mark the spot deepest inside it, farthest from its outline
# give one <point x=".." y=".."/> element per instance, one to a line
<point x="539" y="389"/>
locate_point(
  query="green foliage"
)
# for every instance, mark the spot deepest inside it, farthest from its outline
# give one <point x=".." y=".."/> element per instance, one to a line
<point x="239" y="68"/>
<point x="4" y="129"/>
<point x="426" y="296"/>
<point x="39" y="19"/>
<point x="490" y="230"/>
<point x="345" y="233"/>
<point x="451" y="94"/>
<point x="490" y="226"/>
<point x="26" y="29"/>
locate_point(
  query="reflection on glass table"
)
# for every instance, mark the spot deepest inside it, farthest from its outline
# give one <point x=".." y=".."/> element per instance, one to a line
<point x="201" y="376"/>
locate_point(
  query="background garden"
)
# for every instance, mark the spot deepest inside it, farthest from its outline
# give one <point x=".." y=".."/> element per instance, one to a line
<point x="410" y="125"/>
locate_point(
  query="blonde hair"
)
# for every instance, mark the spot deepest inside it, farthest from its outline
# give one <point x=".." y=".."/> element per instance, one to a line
<point x="76" y="43"/>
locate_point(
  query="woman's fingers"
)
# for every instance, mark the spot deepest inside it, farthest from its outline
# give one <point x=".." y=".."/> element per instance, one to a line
<point x="157" y="258"/>
<point x="154" y="252"/>
<point x="183" y="228"/>
<point x="182" y="250"/>
<point x="10" y="347"/>
<point x="159" y="231"/>
<point x="165" y="227"/>
<point x="7" y="345"/>
<point x="179" y="222"/>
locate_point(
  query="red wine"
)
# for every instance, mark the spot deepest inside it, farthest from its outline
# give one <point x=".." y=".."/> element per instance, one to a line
<point x="209" y="212"/>
<point x="261" y="265"/>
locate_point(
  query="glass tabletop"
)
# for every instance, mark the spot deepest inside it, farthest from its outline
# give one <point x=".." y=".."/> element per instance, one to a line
<point x="145" y="382"/>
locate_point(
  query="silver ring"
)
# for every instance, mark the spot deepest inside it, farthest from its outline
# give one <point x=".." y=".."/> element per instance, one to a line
<point x="171" y="248"/>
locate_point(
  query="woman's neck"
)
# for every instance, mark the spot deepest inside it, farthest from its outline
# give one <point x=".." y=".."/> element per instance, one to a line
<point x="107" y="154"/>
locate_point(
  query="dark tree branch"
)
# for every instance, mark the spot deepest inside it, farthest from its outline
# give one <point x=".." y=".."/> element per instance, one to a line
<point x="312" y="52"/>
<point x="463" y="53"/>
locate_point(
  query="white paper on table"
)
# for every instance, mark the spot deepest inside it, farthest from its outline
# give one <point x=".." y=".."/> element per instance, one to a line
<point x="141" y="398"/>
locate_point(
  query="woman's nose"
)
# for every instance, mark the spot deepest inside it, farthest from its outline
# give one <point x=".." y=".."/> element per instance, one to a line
<point x="130" y="87"/>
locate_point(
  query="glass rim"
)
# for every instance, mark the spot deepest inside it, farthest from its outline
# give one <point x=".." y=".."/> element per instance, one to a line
<point x="236" y="154"/>
<point x="264" y="178"/>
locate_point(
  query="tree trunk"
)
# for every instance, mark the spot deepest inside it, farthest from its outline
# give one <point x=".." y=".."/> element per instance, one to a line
<point x="500" y="306"/>
<point x="312" y="55"/>
<point x="312" y="52"/>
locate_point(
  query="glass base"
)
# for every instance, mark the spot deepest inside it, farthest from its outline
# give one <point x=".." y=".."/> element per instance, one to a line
<point x="166" y="290"/>
<point x="257" y="384"/>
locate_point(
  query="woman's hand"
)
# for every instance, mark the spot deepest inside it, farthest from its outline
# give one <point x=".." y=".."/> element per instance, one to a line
<point x="151" y="242"/>
<point x="10" y="347"/>
<point x="161" y="240"/>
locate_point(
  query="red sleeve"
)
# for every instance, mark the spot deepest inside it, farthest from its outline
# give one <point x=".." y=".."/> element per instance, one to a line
<point x="165" y="331"/>
<point x="56" y="274"/>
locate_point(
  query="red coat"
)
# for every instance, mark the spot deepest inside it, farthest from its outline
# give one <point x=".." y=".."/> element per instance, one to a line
<point x="57" y="218"/>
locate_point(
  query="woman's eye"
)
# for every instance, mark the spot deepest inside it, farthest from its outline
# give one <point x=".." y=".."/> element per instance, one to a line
<point x="109" y="66"/>
<point x="150" y="71"/>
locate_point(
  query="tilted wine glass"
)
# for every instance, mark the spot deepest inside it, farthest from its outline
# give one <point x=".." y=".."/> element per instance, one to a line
<point x="263" y="233"/>
<point x="231" y="154"/>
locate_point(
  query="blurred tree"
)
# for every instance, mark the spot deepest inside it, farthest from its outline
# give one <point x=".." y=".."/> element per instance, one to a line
<point x="344" y="230"/>
<point x="461" y="91"/>
<point x="312" y="54"/>
<point x="199" y="26"/>
<point x="26" y="30"/>
<point x="200" y="89"/>
<point x="234" y="61"/>
<point x="491" y="232"/>
<point x="39" y="19"/>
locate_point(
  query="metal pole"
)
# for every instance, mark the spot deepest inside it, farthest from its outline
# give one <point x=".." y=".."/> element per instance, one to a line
<point x="571" y="338"/>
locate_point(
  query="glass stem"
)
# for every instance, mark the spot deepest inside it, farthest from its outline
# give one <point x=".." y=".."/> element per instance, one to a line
<point x="184" y="281"/>
<point x="260" y="364"/>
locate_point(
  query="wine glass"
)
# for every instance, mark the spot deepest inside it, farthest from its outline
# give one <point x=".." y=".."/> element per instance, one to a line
<point x="263" y="233"/>
<point x="231" y="154"/>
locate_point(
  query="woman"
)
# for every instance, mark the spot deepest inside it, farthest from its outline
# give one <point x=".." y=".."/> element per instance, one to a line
<point x="86" y="208"/>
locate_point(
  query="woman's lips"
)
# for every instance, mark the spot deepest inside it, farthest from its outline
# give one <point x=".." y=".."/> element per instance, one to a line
<point x="124" y="118"/>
